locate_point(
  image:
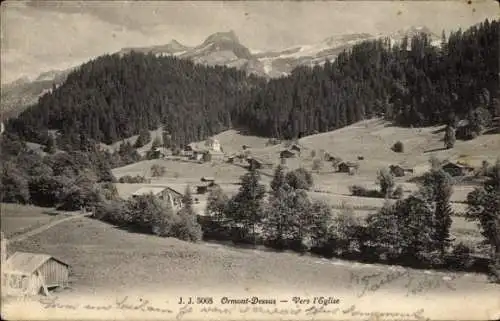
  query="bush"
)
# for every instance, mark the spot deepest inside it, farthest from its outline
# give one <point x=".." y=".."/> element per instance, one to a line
<point x="14" y="186"/>
<point x="207" y="157"/>
<point x="157" y="170"/>
<point x="143" y="139"/>
<point x="300" y="179"/>
<point x="113" y="212"/>
<point x="186" y="227"/>
<point x="357" y="190"/>
<point x="403" y="231"/>
<point x="108" y="191"/>
<point x="398" y="192"/>
<point x="317" y="164"/>
<point x="386" y="182"/>
<point x="132" y="180"/>
<point x="460" y="257"/>
<point x="344" y="232"/>
<point x="398" y="147"/>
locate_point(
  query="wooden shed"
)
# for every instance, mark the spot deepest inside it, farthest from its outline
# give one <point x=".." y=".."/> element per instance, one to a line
<point x="29" y="273"/>
<point x="348" y="167"/>
<point x="455" y="169"/>
<point x="287" y="154"/>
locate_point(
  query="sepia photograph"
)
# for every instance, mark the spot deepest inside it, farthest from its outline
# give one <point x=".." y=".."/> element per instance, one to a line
<point x="250" y="160"/>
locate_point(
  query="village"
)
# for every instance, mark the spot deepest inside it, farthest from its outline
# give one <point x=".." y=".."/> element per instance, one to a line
<point x="234" y="161"/>
<point x="201" y="173"/>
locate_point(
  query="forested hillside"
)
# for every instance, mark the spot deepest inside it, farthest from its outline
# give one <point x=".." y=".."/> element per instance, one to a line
<point x="113" y="97"/>
<point x="412" y="83"/>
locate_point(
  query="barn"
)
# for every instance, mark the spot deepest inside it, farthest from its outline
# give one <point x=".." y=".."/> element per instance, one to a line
<point x="348" y="167"/>
<point x="29" y="273"/>
<point x="163" y="193"/>
<point x="455" y="169"/>
<point x="287" y="154"/>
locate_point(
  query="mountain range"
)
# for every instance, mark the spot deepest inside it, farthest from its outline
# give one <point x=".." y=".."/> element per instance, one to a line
<point x="222" y="48"/>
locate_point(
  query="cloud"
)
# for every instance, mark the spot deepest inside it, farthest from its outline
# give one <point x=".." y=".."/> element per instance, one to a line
<point x="37" y="35"/>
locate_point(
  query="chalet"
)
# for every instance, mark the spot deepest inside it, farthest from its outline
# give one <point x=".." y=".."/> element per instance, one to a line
<point x="456" y="169"/>
<point x="348" y="167"/>
<point x="287" y="154"/>
<point x="208" y="179"/>
<point x="163" y="193"/>
<point x="29" y="273"/>
<point x="205" y="187"/>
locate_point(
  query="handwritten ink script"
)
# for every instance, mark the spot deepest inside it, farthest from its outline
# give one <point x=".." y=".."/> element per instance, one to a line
<point x="413" y="284"/>
<point x="302" y="308"/>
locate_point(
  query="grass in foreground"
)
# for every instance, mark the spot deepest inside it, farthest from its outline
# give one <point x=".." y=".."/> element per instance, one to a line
<point x="103" y="258"/>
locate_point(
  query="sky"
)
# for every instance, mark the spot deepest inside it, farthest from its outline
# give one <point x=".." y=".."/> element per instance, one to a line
<point x="38" y="36"/>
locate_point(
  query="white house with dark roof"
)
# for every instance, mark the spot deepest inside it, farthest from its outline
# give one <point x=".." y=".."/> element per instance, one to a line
<point x="164" y="193"/>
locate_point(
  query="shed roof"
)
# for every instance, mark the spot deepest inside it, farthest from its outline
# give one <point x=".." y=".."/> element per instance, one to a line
<point x="149" y="190"/>
<point x="27" y="263"/>
<point x="457" y="164"/>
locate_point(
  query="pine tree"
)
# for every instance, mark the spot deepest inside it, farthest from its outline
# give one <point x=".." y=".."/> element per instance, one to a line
<point x="51" y="145"/>
<point x="484" y="206"/>
<point x="217" y="203"/>
<point x="437" y="189"/>
<point x="386" y="182"/>
<point x="246" y="206"/>
<point x="449" y="137"/>
<point x="279" y="179"/>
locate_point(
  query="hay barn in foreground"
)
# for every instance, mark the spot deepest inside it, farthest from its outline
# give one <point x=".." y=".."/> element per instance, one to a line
<point x="30" y="273"/>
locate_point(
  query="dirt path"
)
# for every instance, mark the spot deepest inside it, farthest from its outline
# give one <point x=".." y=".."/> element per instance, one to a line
<point x="45" y="227"/>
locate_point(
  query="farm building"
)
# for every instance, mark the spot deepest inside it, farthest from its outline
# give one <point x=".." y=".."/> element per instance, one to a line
<point x="348" y="167"/>
<point x="296" y="147"/>
<point x="455" y="169"/>
<point x="29" y="273"/>
<point x="287" y="154"/>
<point x="163" y="193"/>
<point x="216" y="155"/>
<point x="205" y="187"/>
<point x="207" y="179"/>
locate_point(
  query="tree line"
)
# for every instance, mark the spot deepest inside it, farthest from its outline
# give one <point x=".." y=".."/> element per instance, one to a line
<point x="412" y="231"/>
<point x="412" y="83"/>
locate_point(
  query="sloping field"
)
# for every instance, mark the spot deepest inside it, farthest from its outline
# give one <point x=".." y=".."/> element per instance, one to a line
<point x="184" y="171"/>
<point x="233" y="140"/>
<point x="105" y="258"/>
<point x="16" y="219"/>
<point x="373" y="139"/>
